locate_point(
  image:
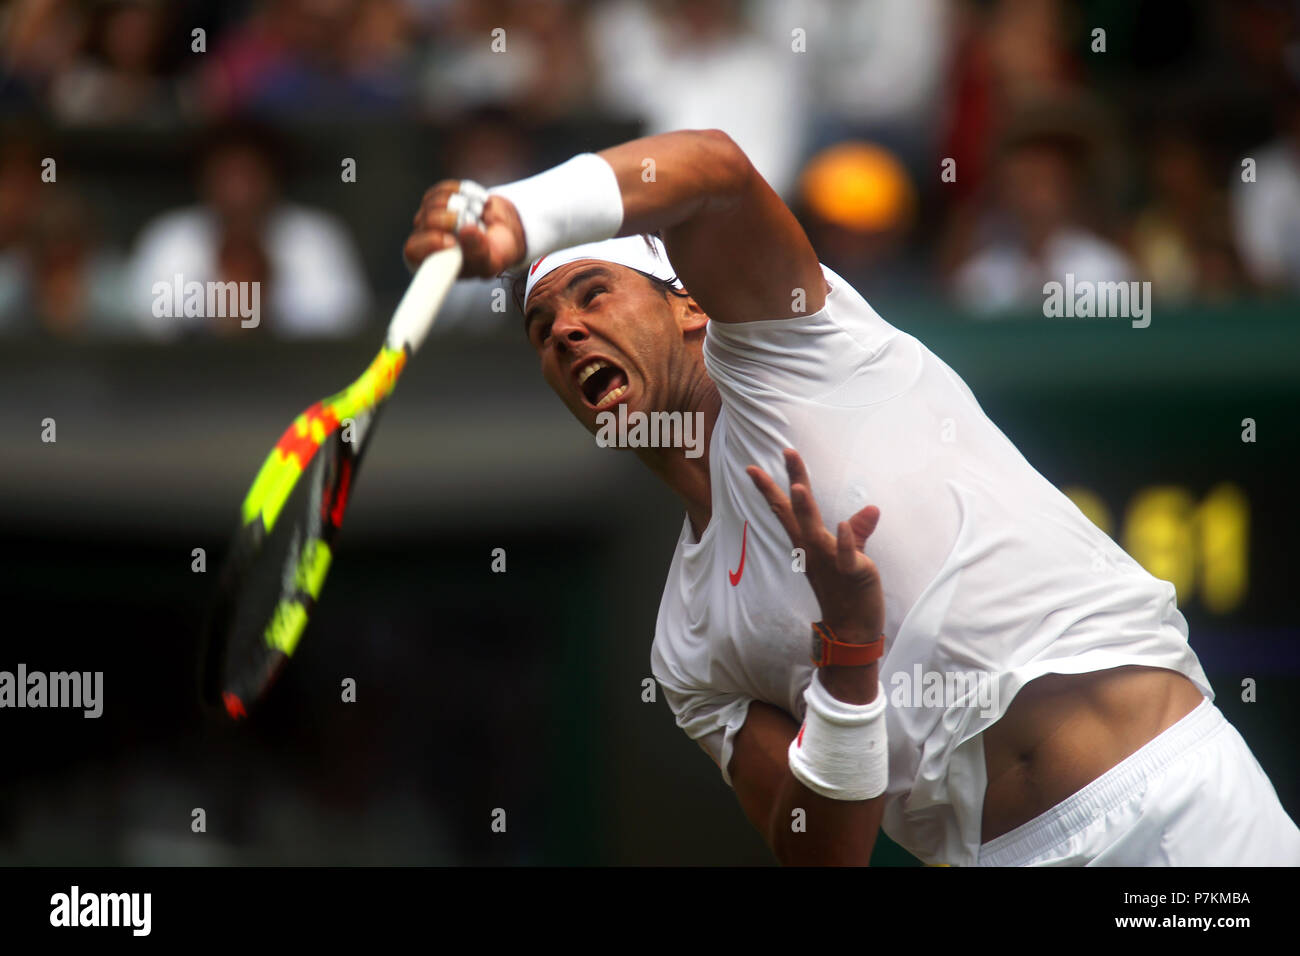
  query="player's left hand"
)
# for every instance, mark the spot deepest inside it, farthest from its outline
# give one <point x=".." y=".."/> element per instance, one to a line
<point x="844" y="579"/>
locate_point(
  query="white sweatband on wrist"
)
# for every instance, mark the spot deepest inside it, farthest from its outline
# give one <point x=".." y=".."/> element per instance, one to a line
<point x="841" y="751"/>
<point x="575" y="202"/>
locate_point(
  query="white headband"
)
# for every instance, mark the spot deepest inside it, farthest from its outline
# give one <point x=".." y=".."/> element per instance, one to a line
<point x="630" y="251"/>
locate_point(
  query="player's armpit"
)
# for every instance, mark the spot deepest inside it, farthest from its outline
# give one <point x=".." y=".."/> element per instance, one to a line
<point x="827" y="832"/>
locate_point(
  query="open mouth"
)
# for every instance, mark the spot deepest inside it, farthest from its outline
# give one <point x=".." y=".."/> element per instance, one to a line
<point x="602" y="383"/>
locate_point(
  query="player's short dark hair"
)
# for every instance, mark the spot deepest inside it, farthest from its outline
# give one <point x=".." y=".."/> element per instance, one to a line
<point x="666" y="287"/>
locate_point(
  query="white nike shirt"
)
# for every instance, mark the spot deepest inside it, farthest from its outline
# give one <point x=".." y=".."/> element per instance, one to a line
<point x="987" y="568"/>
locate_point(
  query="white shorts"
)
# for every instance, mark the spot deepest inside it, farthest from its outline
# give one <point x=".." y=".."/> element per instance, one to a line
<point x="1194" y="796"/>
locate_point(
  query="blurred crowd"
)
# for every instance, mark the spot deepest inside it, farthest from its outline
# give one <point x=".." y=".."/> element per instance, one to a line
<point x="956" y="151"/>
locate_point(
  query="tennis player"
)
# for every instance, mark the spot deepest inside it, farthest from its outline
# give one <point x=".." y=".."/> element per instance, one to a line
<point x="878" y="612"/>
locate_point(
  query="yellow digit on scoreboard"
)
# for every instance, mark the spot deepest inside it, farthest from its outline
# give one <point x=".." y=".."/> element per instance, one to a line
<point x="1158" y="533"/>
<point x="1202" y="549"/>
<point x="1223" y="529"/>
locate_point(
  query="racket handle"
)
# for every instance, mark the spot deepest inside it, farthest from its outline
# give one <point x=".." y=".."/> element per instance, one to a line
<point x="423" y="298"/>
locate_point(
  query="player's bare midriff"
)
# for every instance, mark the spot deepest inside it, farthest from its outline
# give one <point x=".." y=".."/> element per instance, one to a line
<point x="1062" y="731"/>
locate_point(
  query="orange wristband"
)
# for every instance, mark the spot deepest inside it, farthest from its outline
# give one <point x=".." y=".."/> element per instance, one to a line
<point x="828" y="652"/>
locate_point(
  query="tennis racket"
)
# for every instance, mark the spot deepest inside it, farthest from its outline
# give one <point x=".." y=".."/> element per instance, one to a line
<point x="284" y="545"/>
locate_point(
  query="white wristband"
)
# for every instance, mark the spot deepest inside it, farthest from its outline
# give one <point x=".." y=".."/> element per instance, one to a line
<point x="576" y="202"/>
<point x="842" y="751"/>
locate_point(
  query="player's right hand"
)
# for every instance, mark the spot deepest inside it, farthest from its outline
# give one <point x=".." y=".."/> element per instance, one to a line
<point x="488" y="251"/>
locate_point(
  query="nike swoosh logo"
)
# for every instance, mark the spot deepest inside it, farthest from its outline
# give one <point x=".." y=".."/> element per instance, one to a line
<point x="535" y="265"/>
<point x="735" y="575"/>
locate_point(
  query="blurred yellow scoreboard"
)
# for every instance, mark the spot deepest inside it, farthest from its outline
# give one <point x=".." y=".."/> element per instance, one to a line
<point x="1201" y="546"/>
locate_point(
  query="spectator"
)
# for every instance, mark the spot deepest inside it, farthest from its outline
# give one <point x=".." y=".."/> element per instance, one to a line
<point x="39" y="40"/>
<point x="56" y="276"/>
<point x="680" y="64"/>
<point x="118" y="78"/>
<point x="1266" y="212"/>
<point x="1182" y="238"/>
<point x="322" y="57"/>
<point x="316" y="284"/>
<point x="1034" y="231"/>
<point x="1007" y="55"/>
<point x="75" y="284"/>
<point x="875" y="70"/>
<point x="489" y="148"/>
<point x="529" y="58"/>
<point x="20" y="200"/>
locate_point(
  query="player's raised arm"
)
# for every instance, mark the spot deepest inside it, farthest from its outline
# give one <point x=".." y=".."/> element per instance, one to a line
<point x="733" y="242"/>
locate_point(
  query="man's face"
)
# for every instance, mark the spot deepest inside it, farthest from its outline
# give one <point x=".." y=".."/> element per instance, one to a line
<point x="1038" y="187"/>
<point x="606" y="336"/>
<point x="238" y="183"/>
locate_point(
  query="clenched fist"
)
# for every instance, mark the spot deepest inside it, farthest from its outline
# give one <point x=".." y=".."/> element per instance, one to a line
<point x="488" y="250"/>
